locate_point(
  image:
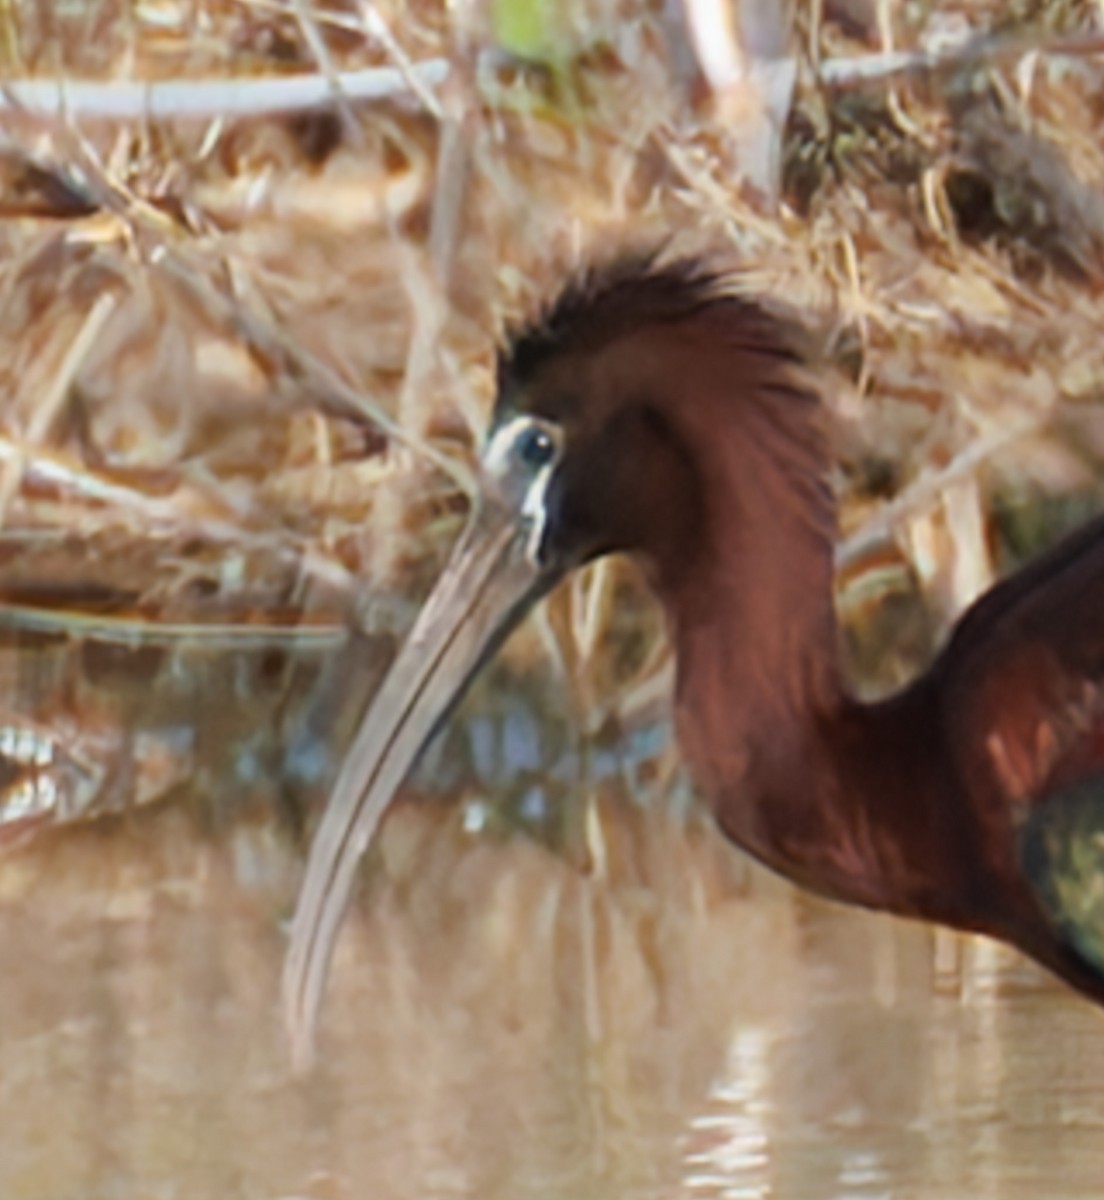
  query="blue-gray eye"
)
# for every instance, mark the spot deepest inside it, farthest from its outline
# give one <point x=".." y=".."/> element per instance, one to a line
<point x="535" y="446"/>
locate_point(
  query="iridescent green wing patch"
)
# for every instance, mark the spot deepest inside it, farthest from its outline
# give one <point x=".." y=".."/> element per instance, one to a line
<point x="1062" y="851"/>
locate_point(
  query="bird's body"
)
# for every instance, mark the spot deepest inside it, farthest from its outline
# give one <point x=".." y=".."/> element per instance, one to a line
<point x="657" y="412"/>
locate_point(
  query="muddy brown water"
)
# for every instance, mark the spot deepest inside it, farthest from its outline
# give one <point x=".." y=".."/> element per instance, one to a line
<point x="675" y="1024"/>
<point x="499" y="1025"/>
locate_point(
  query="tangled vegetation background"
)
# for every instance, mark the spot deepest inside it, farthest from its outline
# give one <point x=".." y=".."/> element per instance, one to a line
<point x="247" y="341"/>
<point x="255" y="258"/>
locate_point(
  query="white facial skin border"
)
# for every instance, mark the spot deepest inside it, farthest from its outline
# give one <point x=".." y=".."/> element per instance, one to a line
<point x="509" y="475"/>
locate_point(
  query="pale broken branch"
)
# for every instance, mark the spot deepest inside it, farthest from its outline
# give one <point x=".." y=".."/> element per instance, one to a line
<point x="209" y="99"/>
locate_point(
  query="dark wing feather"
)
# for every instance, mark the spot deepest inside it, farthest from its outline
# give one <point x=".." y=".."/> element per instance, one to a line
<point x="1022" y="693"/>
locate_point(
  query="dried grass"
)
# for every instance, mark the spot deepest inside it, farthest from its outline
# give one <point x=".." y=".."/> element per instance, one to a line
<point x="265" y="340"/>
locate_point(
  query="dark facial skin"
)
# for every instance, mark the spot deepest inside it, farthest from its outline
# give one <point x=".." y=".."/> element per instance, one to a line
<point x="630" y="487"/>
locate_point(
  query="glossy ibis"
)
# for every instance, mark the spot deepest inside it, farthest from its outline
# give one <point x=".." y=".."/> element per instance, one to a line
<point x="659" y="411"/>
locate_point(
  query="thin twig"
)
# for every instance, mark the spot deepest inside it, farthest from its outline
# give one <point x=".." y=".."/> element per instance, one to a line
<point x="375" y="26"/>
<point x="49" y="404"/>
<point x="308" y="27"/>
<point x="865" y="69"/>
<point x="930" y="487"/>
<point x="41" y="470"/>
<point x="368" y="21"/>
<point x="133" y="630"/>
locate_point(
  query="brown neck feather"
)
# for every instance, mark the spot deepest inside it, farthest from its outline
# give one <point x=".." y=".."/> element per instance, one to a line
<point x="851" y="800"/>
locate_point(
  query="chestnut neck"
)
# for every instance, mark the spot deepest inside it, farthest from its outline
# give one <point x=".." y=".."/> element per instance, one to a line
<point x="851" y="800"/>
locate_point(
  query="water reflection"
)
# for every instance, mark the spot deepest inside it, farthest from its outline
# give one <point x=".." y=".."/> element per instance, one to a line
<point x="501" y="1026"/>
<point x="730" y="1141"/>
<point x="673" y="1023"/>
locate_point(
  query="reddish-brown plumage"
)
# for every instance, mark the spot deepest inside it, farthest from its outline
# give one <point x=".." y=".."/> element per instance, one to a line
<point x="656" y="411"/>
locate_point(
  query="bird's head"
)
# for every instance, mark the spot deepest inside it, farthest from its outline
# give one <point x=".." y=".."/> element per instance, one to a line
<point x="603" y="406"/>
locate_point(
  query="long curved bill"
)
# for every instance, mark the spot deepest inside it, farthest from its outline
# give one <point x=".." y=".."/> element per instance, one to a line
<point x="489" y="583"/>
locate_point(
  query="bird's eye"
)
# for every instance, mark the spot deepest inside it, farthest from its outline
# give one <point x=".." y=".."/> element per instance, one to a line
<point x="535" y="446"/>
<point x="519" y="452"/>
